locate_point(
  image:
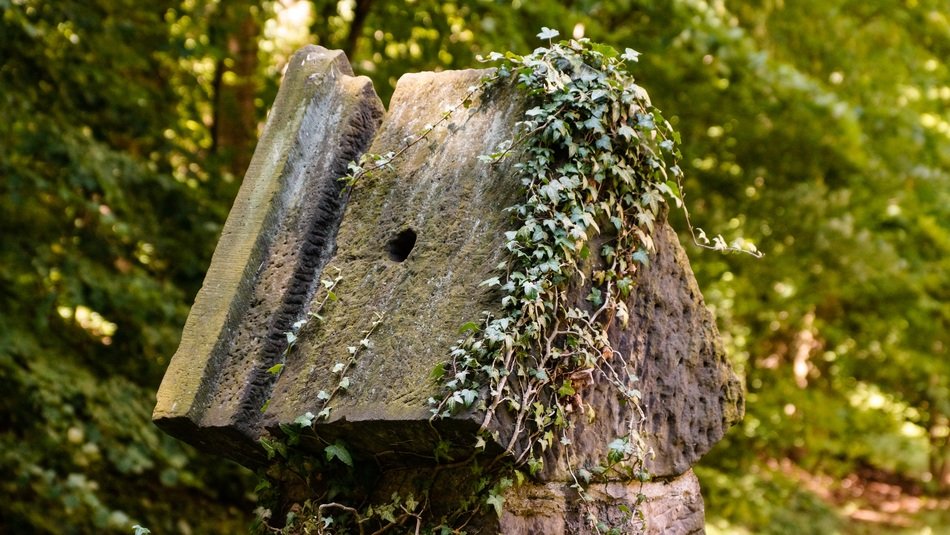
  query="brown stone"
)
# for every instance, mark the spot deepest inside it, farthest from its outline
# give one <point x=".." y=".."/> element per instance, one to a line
<point x="672" y="507"/>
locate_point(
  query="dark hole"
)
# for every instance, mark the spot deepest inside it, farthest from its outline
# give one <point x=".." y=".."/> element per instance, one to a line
<point x="400" y="246"/>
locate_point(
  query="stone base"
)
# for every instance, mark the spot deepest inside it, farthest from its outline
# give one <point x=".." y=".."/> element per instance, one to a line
<point x="671" y="507"/>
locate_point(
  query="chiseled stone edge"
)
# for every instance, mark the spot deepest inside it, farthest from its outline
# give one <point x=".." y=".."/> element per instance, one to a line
<point x="189" y="381"/>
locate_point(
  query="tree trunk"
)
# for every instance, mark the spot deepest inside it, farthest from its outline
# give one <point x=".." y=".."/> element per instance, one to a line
<point x="234" y="132"/>
<point x="940" y="452"/>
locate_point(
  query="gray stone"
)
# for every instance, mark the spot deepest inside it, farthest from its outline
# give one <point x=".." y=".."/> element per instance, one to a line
<point x="276" y="239"/>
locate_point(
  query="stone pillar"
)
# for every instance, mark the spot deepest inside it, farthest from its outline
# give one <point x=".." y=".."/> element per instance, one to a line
<point x="411" y="245"/>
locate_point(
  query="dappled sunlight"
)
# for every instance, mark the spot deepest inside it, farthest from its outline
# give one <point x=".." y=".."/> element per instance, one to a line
<point x="90" y="321"/>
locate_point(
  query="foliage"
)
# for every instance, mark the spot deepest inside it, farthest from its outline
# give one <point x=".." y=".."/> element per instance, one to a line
<point x="96" y="198"/>
<point x="817" y="127"/>
<point x="592" y="152"/>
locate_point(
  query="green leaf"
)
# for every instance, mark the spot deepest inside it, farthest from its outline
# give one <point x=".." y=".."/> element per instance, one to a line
<point x="305" y="419"/>
<point x="468" y="396"/>
<point x="338" y="451"/>
<point x="624" y="285"/>
<point x="595" y="296"/>
<point x="607" y="50"/>
<point x="497" y="501"/>
<point x="470" y="326"/>
<point x="641" y="256"/>
<point x="566" y="389"/>
<point x="494" y="281"/>
<point x="275" y="369"/>
<point x="438" y="371"/>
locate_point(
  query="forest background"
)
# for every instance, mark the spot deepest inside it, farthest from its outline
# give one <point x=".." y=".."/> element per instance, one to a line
<point x="819" y="129"/>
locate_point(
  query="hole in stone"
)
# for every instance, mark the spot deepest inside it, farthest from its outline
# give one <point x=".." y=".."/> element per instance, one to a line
<point x="400" y="246"/>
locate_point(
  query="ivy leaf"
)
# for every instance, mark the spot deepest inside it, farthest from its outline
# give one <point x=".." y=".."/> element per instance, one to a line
<point x="438" y="372"/>
<point x="645" y="121"/>
<point x="624" y="286"/>
<point x="338" y="451"/>
<point x="468" y="396"/>
<point x="630" y="55"/>
<point x="641" y="256"/>
<point x="627" y="132"/>
<point x="494" y="281"/>
<point x="584" y="474"/>
<point x="547" y="33"/>
<point x="607" y="50"/>
<point x="275" y="369"/>
<point x="531" y="290"/>
<point x="497" y="501"/>
<point x="566" y="389"/>
<point x="595" y="297"/>
<point x="305" y="419"/>
<point x="469" y="326"/>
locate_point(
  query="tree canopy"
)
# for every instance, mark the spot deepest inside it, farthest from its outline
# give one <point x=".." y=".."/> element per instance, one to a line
<point x="820" y="130"/>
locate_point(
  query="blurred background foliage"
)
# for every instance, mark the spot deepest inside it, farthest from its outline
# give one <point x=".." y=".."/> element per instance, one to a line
<point x="819" y="129"/>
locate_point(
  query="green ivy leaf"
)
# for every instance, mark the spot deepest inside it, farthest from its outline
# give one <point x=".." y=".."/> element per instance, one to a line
<point x="305" y="419"/>
<point x="497" y="501"/>
<point x="338" y="451"/>
<point x="596" y="297"/>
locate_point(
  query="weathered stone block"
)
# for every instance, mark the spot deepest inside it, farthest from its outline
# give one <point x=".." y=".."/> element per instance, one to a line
<point x="272" y="248"/>
<point x="417" y="239"/>
<point x="442" y="209"/>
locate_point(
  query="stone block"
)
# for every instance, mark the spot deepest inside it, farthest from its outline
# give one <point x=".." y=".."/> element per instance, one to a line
<point x="410" y="245"/>
<point x="274" y="244"/>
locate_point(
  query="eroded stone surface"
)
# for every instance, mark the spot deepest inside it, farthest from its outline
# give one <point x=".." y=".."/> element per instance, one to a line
<point x="441" y="193"/>
<point x="672" y="507"/>
<point x="690" y="395"/>
<point x="277" y="238"/>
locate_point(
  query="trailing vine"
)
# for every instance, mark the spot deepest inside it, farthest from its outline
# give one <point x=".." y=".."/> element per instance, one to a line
<point x="597" y="163"/>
